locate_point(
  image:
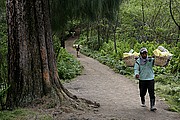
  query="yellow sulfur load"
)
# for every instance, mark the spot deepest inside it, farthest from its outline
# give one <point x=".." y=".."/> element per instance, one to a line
<point x="136" y="54"/>
<point x="75" y="45"/>
<point x="159" y="53"/>
<point x="127" y="54"/>
<point x="130" y="53"/>
<point x="167" y="54"/>
<point x="162" y="56"/>
<point x="129" y="58"/>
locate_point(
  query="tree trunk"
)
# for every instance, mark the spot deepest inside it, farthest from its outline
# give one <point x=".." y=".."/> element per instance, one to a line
<point x="114" y="34"/>
<point x="143" y="20"/>
<point x="32" y="71"/>
<point x="87" y="30"/>
<point x="172" y="16"/>
<point x="98" y="34"/>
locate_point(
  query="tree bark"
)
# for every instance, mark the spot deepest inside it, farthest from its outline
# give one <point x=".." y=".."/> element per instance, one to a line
<point x="32" y="71"/>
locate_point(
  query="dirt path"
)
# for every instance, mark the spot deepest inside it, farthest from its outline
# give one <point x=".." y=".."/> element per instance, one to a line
<point x="117" y="95"/>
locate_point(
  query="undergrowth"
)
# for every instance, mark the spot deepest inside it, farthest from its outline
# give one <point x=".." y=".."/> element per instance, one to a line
<point x="23" y="114"/>
<point x="68" y="66"/>
<point x="167" y="83"/>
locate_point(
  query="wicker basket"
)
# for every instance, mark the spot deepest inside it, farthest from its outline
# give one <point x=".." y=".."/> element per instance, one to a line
<point x="161" y="61"/>
<point x="129" y="61"/>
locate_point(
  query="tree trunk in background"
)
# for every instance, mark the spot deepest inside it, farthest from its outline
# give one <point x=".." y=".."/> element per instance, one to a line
<point x="32" y="71"/>
<point x="87" y="31"/>
<point x="143" y="22"/>
<point x="98" y="34"/>
<point x="114" y="33"/>
<point x="172" y="16"/>
<point x="108" y="32"/>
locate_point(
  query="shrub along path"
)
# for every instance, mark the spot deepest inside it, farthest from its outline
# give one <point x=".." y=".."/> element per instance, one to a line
<point x="118" y="96"/>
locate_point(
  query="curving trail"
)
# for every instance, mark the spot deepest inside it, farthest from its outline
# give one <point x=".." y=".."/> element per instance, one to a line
<point x="117" y="95"/>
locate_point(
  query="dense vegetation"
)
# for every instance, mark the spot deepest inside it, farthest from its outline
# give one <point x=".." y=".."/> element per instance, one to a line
<point x="68" y="66"/>
<point x="167" y="81"/>
<point x="139" y="24"/>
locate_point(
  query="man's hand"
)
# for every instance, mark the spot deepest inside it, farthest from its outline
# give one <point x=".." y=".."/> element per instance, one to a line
<point x="137" y="76"/>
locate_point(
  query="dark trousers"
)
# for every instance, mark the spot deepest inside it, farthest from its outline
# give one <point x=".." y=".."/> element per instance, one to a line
<point x="145" y="85"/>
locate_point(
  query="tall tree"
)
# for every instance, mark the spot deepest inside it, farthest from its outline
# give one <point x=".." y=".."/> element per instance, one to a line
<point x="32" y="70"/>
<point x="86" y="11"/>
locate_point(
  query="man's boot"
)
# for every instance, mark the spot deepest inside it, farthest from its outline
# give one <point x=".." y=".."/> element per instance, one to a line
<point x="152" y="103"/>
<point x="143" y="102"/>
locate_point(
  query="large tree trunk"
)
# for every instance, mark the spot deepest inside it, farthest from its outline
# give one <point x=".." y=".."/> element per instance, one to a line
<point x="32" y="72"/>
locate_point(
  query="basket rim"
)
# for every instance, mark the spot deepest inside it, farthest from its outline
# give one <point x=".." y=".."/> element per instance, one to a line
<point x="132" y="56"/>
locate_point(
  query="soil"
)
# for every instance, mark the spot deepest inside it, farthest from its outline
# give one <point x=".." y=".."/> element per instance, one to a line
<point x="117" y="95"/>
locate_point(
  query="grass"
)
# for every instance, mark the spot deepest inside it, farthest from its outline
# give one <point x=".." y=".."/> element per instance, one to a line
<point x="23" y="114"/>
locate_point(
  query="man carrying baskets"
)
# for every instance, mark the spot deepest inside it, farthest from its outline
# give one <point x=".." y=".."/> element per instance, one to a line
<point x="143" y="70"/>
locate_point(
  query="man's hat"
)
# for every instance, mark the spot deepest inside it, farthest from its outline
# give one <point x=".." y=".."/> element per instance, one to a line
<point x="142" y="50"/>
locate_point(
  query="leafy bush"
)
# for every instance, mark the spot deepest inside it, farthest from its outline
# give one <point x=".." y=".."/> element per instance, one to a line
<point x="68" y="66"/>
<point x="167" y="86"/>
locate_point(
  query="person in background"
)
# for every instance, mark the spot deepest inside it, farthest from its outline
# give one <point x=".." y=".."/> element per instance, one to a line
<point x="77" y="50"/>
<point x="73" y="33"/>
<point x="143" y="70"/>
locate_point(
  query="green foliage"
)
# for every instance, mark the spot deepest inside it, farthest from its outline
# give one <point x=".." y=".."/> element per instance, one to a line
<point x="68" y="66"/>
<point x="167" y="81"/>
<point x="108" y="57"/>
<point x="3" y="58"/>
<point x="168" y="87"/>
<point x="2" y="9"/>
<point x="3" y="94"/>
<point x="3" y="53"/>
<point x="152" y="22"/>
<point x="140" y="26"/>
<point x="175" y="62"/>
<point x="23" y="114"/>
<point x="92" y="43"/>
<point x="63" y="11"/>
<point x="81" y="40"/>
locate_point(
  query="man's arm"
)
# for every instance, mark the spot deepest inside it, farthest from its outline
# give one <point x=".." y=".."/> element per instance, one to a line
<point x="136" y="70"/>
